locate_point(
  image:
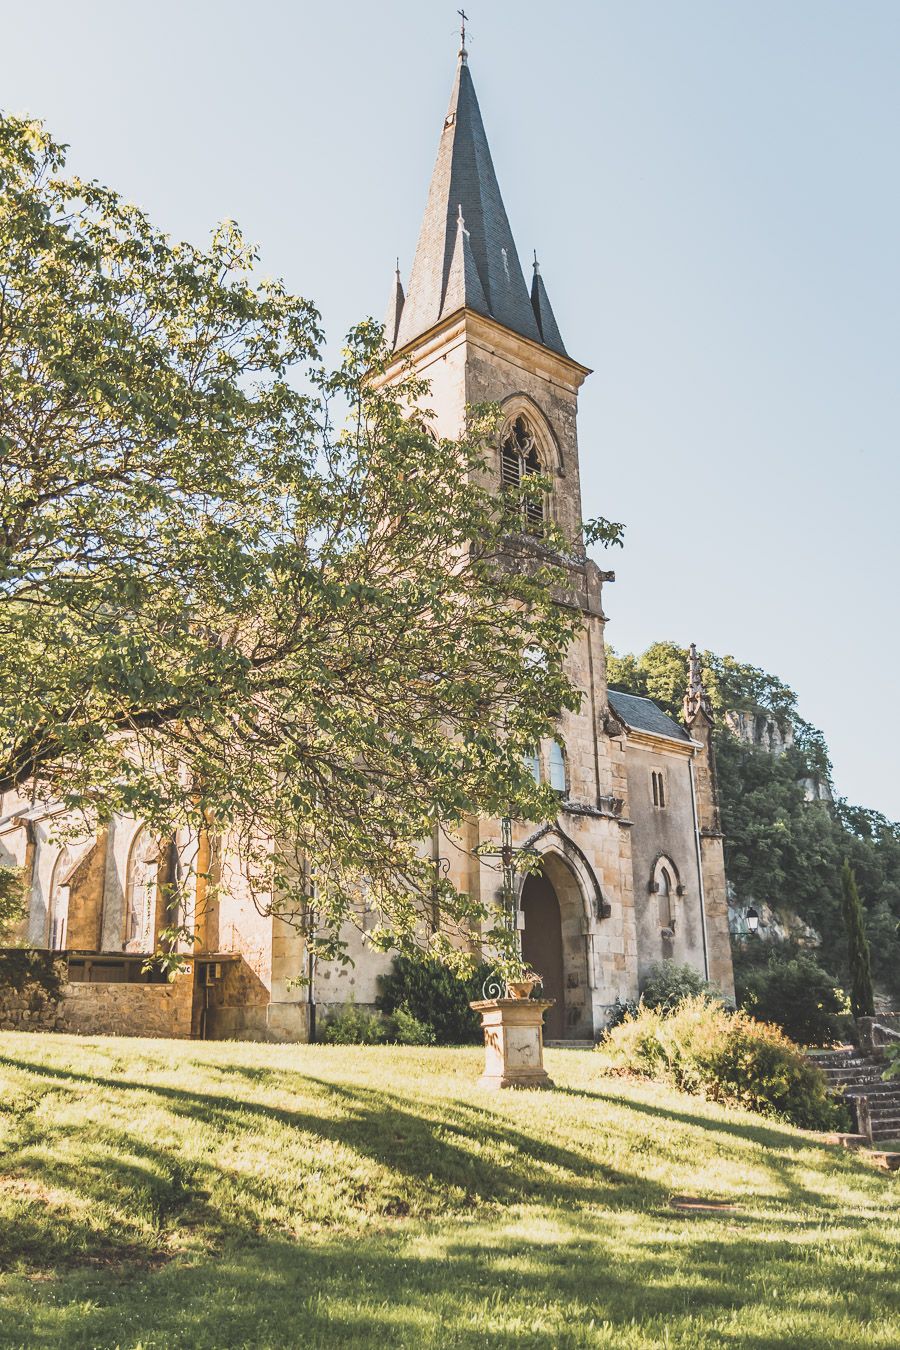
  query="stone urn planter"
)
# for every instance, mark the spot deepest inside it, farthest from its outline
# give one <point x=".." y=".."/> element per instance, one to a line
<point x="513" y="1040"/>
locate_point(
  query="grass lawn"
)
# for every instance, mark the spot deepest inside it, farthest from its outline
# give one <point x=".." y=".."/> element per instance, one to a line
<point x="162" y="1194"/>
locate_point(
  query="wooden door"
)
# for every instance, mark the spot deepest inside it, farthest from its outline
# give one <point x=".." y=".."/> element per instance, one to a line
<point x="542" y="949"/>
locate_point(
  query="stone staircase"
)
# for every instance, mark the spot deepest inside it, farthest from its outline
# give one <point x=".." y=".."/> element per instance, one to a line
<point x="857" y="1076"/>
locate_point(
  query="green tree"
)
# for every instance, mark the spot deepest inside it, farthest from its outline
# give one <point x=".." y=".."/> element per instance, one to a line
<point x="862" y="999"/>
<point x="240" y="590"/>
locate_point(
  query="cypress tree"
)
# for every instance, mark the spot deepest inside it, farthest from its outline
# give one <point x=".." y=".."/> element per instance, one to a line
<point x="862" y="999"/>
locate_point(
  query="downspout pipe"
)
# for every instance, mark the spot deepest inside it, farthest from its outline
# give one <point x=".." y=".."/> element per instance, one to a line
<point x="699" y="851"/>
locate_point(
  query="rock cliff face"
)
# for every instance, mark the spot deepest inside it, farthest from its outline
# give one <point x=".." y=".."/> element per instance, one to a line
<point x="764" y="732"/>
<point x="775" y="926"/>
<point x="761" y="730"/>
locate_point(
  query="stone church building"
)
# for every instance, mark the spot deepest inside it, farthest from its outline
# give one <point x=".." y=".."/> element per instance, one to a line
<point x="632" y="867"/>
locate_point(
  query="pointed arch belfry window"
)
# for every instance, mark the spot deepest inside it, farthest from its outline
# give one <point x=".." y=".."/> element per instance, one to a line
<point x="518" y="459"/>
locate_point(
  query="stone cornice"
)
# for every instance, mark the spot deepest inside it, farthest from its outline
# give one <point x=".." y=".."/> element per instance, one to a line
<point x="466" y="326"/>
<point x="649" y="740"/>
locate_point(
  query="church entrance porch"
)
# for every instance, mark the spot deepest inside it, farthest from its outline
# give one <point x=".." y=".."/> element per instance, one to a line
<point x="542" y="949"/>
<point x="554" y="945"/>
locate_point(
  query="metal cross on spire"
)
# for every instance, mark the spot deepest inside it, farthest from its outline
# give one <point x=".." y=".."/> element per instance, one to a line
<point x="462" y="31"/>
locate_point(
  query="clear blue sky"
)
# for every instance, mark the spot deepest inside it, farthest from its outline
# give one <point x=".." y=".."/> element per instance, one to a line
<point x="713" y="192"/>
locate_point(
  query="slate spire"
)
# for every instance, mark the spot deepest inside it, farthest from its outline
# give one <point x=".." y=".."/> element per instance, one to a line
<point x="546" y="321"/>
<point x="394" y="309"/>
<point x="464" y="182"/>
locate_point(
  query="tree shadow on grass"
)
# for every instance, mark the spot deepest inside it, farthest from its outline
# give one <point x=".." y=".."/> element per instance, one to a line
<point x="449" y="1155"/>
<point x="474" y="1289"/>
<point x="560" y="1252"/>
<point x="783" y="1150"/>
<point x="434" y="1157"/>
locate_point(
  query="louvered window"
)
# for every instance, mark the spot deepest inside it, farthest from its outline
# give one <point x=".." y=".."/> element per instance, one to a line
<point x="518" y="458"/>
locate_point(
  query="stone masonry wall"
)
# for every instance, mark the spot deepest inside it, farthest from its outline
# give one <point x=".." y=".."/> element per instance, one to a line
<point x="236" y="1004"/>
<point x="101" y="1009"/>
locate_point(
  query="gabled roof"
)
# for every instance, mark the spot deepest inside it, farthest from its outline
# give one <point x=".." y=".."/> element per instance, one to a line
<point x="487" y="276"/>
<point x="642" y="714"/>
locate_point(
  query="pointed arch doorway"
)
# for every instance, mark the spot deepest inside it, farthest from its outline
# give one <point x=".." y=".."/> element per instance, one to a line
<point x="542" y="948"/>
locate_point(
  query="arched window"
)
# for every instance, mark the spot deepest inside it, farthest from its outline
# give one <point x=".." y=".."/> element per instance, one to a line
<point x="518" y="458"/>
<point x="664" y="896"/>
<point x="141" y="884"/>
<point x="59" y="901"/>
<point x="664" y="884"/>
<point x="557" y="767"/>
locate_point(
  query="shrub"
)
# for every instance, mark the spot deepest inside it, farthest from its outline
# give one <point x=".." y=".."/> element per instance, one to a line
<point x="669" y="984"/>
<point x="434" y="996"/>
<point x="408" y="1030"/>
<point x="797" y="995"/>
<point x="702" y="1048"/>
<point x="354" y="1026"/>
<point x="892" y="1055"/>
<point x="619" y="1011"/>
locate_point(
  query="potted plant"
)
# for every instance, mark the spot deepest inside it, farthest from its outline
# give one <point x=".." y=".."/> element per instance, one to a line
<point x="523" y="984"/>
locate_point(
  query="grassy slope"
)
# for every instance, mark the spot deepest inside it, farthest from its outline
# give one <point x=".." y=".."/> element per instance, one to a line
<point x="162" y="1194"/>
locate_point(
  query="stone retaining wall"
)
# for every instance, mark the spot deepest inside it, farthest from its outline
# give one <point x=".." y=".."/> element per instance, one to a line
<point x="101" y="1009"/>
<point x="877" y="1032"/>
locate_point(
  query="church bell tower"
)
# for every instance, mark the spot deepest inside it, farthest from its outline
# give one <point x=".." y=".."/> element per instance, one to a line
<point x="470" y="325"/>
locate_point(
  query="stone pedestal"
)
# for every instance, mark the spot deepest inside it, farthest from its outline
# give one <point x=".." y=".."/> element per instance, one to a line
<point x="513" y="1042"/>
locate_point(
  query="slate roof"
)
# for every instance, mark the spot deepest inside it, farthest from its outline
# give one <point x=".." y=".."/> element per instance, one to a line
<point x="481" y="271"/>
<point x="642" y="714"/>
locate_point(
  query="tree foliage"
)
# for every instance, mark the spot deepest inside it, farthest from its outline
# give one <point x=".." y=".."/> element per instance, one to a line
<point x="239" y="590"/>
<point x="13" y="901"/>
<point x="862" y="999"/>
<point x="780" y="847"/>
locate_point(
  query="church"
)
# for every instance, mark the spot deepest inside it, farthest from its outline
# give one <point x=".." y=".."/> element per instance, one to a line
<point x="631" y="870"/>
